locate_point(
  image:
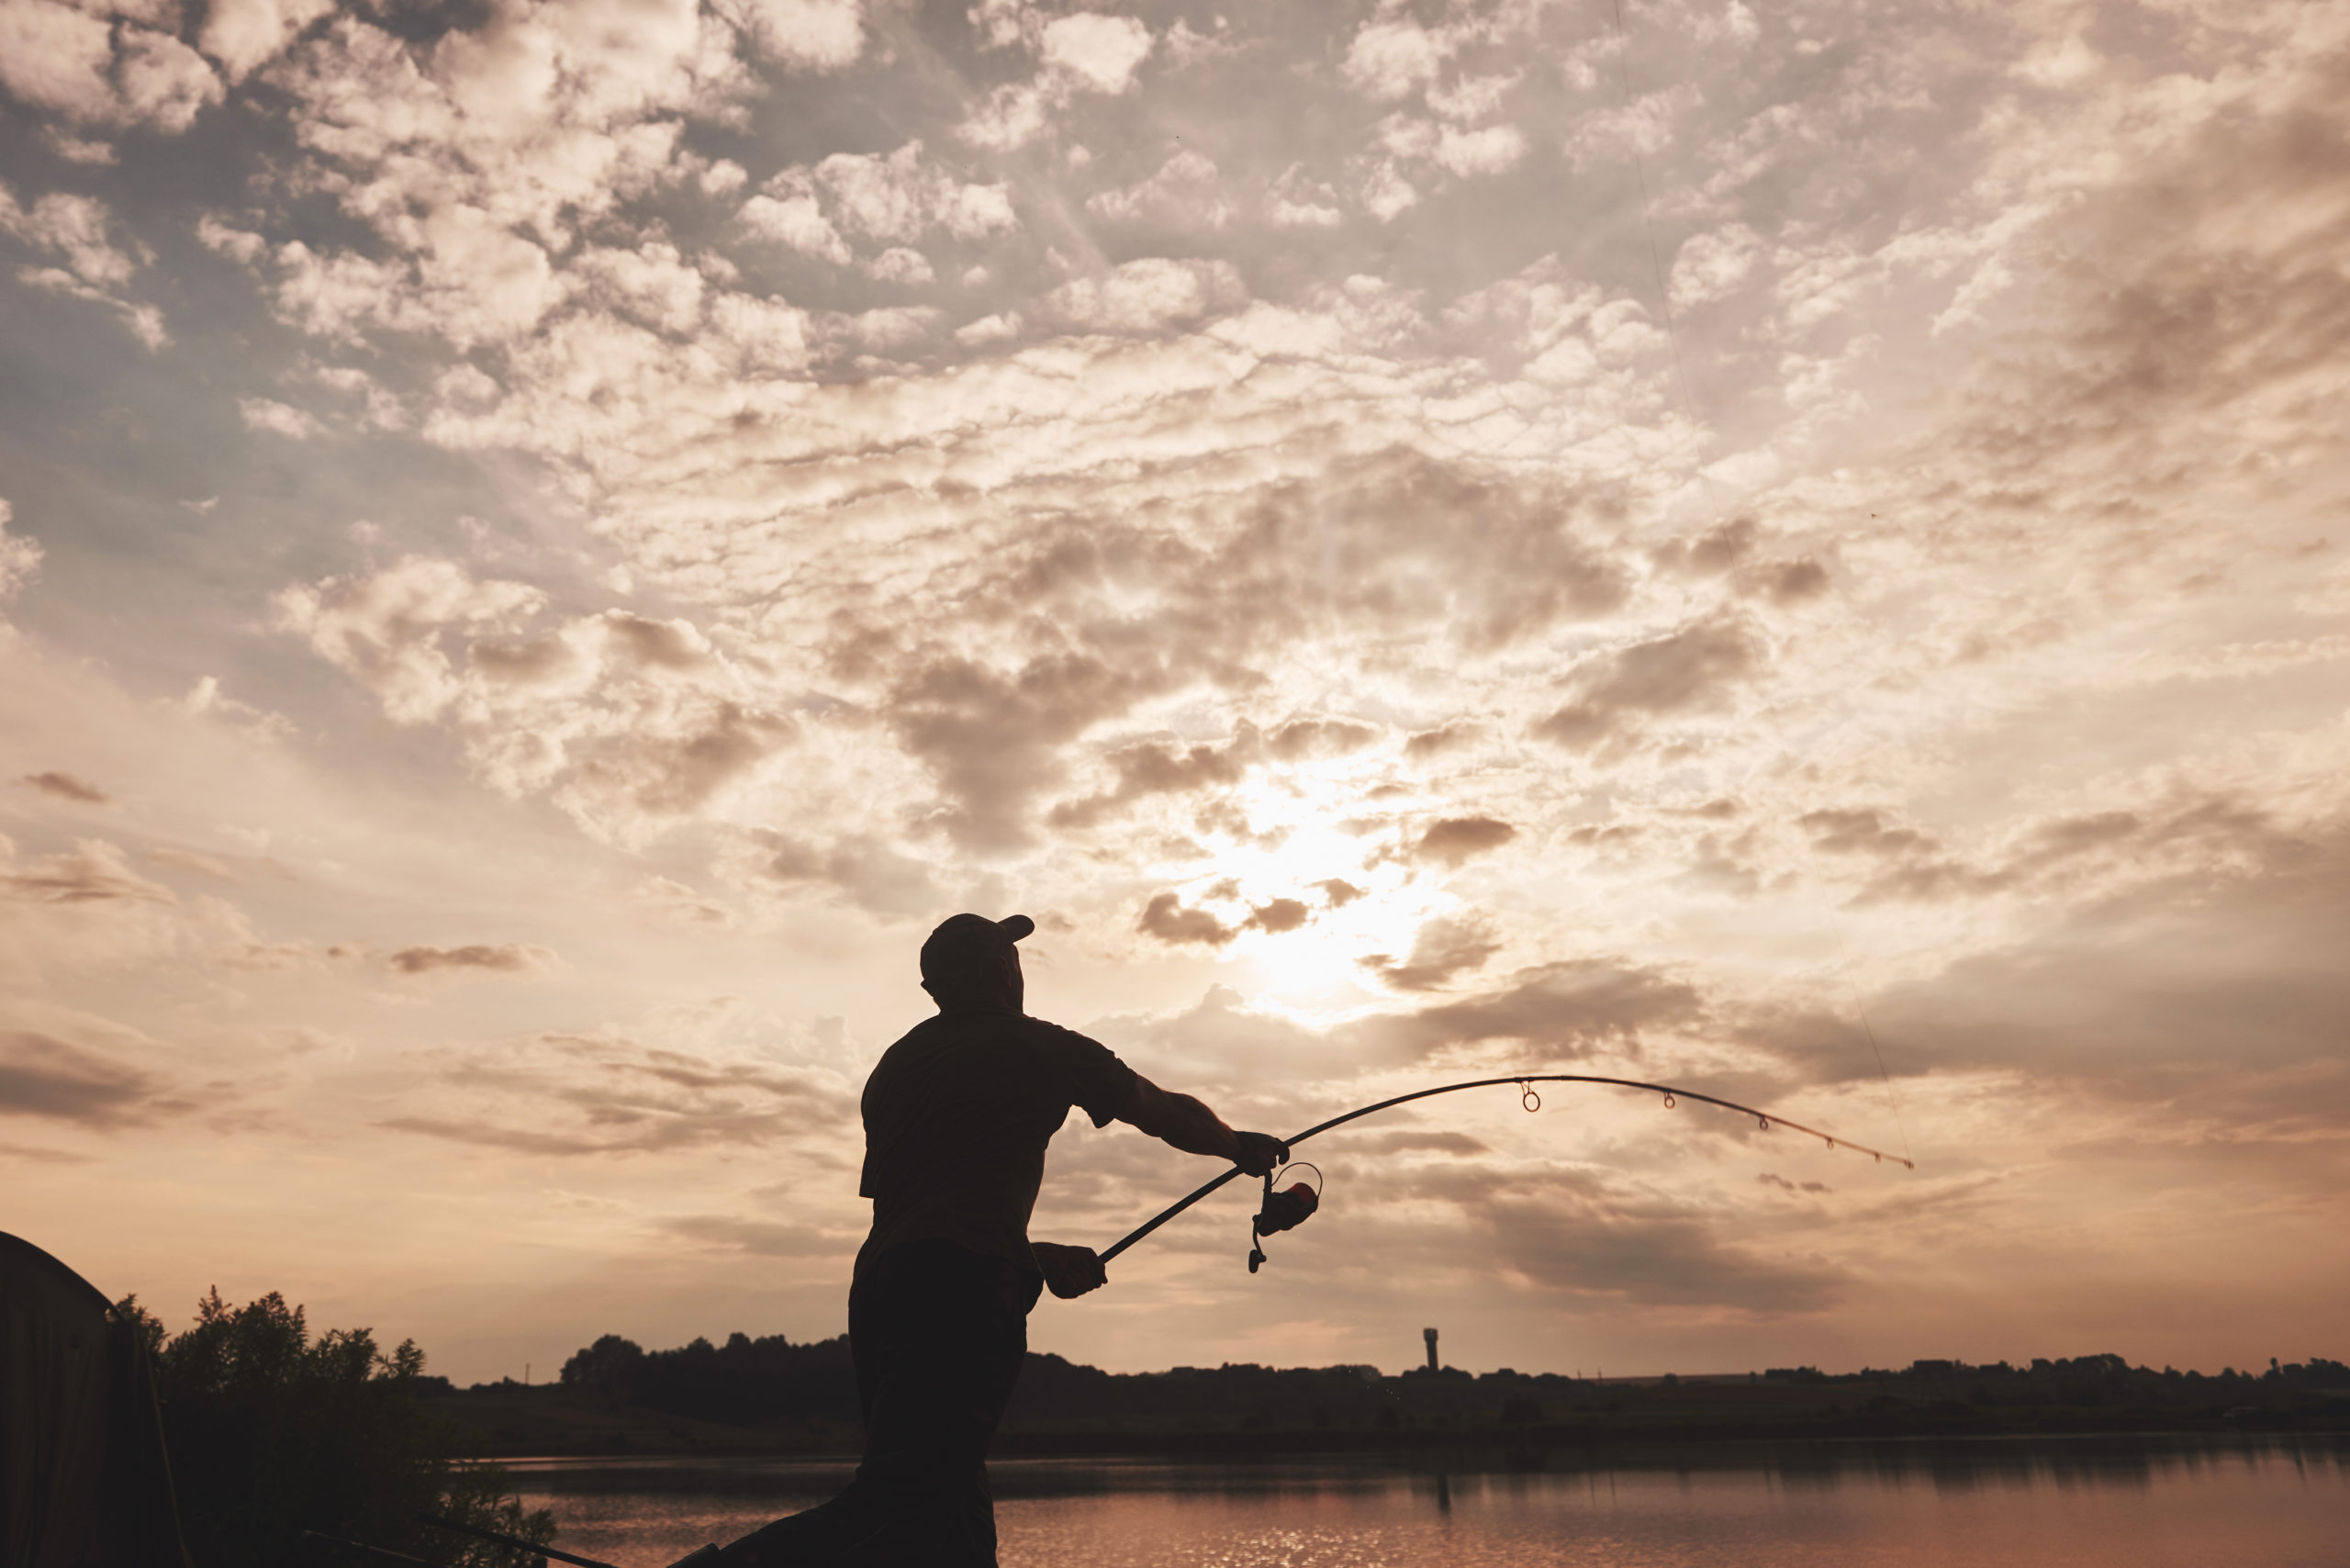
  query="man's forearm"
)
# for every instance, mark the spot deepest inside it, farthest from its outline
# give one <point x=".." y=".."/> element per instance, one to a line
<point x="1182" y="1121"/>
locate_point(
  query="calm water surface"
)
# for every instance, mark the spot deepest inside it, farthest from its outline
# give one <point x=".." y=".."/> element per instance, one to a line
<point x="2088" y="1503"/>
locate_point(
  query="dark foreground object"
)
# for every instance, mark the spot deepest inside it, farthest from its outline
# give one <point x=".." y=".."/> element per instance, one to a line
<point x="939" y="1334"/>
<point x="82" y="1476"/>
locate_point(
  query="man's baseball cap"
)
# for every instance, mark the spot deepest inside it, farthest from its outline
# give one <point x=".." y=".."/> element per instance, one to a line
<point x="960" y="938"/>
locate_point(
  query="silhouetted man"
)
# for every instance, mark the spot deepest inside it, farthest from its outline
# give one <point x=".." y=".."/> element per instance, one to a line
<point x="957" y="1117"/>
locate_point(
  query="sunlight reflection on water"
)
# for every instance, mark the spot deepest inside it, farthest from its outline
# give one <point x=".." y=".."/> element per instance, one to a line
<point x="2080" y="1503"/>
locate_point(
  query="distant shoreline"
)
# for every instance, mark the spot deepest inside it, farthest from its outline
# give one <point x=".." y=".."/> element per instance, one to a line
<point x="556" y="1423"/>
<point x="1644" y="1445"/>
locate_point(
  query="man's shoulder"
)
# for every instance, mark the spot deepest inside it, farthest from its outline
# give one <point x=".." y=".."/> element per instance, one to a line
<point x="1065" y="1044"/>
<point x="909" y="1050"/>
<point x="1046" y="1030"/>
<point x="1039" y="1039"/>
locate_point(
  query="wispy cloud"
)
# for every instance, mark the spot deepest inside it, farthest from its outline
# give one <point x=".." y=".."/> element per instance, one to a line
<point x="46" y="1077"/>
<point x="67" y="786"/>
<point x="505" y="958"/>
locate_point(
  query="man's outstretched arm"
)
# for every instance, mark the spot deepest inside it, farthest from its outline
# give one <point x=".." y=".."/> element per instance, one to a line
<point x="1177" y="1119"/>
<point x="1184" y="1122"/>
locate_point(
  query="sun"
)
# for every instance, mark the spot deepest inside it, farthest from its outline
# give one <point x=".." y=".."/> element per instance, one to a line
<point x="1306" y="891"/>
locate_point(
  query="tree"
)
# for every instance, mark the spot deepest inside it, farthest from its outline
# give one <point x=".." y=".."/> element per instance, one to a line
<point x="608" y="1367"/>
<point x="272" y="1433"/>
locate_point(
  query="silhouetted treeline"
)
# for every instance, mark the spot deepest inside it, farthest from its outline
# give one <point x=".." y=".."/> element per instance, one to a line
<point x="748" y="1382"/>
<point x="271" y="1432"/>
<point x="744" y="1382"/>
<point x="2088" y="1382"/>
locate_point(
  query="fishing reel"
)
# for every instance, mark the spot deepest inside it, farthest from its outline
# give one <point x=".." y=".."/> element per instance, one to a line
<point x="1285" y="1210"/>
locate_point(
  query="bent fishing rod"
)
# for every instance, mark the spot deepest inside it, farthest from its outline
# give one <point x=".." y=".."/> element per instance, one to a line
<point x="1287" y="1209"/>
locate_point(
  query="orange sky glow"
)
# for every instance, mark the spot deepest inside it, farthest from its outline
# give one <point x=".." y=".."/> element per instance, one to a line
<point x="1801" y="551"/>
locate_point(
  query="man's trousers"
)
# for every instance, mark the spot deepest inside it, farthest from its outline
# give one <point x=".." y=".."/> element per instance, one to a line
<point x="938" y="1333"/>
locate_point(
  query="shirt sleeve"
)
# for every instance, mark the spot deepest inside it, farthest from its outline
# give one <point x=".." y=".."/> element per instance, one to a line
<point x="1098" y="1083"/>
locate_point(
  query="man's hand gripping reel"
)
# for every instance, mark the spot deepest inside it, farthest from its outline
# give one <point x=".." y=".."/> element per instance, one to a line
<point x="1285" y="1210"/>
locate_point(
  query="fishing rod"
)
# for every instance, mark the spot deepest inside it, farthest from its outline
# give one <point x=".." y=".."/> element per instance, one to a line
<point x="1287" y="1209"/>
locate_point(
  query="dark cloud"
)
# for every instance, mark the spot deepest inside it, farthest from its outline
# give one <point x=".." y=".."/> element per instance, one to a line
<point x="41" y="1075"/>
<point x="1772" y="1179"/>
<point x="1119" y="611"/>
<point x="1448" y="737"/>
<point x="1583" y="1234"/>
<point x="2186" y="987"/>
<point x="1715" y="551"/>
<point x="1152" y="769"/>
<point x="671" y="775"/>
<point x="1302" y="738"/>
<point x="1791" y="582"/>
<point x="511" y="958"/>
<point x="873" y="876"/>
<point x="1861" y="832"/>
<point x="1683" y="670"/>
<point x="1442" y="950"/>
<point x="1167" y="918"/>
<point x="1911" y="865"/>
<point x="1721" y="868"/>
<point x="282" y="956"/>
<point x="1460" y="1145"/>
<point x="662" y="644"/>
<point x="1339" y="893"/>
<point x="1564" y="1009"/>
<point x="92" y="872"/>
<point x="585" y="1094"/>
<point x="523" y="661"/>
<point x="33" y="1154"/>
<point x="1156" y="767"/>
<point x="2192" y="320"/>
<point x="1218" y="1038"/>
<point x="1678" y="670"/>
<point x="1928" y="881"/>
<point x="1452" y="840"/>
<point x="2068" y="836"/>
<point x="994" y="739"/>
<point x="1378" y="544"/>
<point x="1277" y="916"/>
<point x="1160" y="768"/>
<point x="67" y="786"/>
<point x="489" y="1135"/>
<point x="1649" y="1258"/>
<point x="2217" y="995"/>
<point x="1731" y="548"/>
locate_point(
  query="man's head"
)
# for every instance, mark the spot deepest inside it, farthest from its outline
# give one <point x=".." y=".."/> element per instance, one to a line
<point x="972" y="961"/>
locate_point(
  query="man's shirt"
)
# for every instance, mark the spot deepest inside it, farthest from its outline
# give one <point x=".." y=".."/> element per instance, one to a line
<point x="957" y="1117"/>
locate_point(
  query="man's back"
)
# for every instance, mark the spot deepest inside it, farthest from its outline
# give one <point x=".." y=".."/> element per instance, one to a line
<point x="957" y="1117"/>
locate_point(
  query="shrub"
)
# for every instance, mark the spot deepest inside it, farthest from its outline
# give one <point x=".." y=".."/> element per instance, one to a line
<point x="272" y="1433"/>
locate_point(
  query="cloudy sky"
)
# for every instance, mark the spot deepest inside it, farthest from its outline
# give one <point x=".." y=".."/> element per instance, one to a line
<point x="546" y="543"/>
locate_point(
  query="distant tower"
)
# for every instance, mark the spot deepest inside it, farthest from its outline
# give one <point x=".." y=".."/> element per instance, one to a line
<point x="1429" y="1335"/>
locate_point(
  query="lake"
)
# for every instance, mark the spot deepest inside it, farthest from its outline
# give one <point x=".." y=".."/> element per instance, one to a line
<point x="2082" y="1503"/>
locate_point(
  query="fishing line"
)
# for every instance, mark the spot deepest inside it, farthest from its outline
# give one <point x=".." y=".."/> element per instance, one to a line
<point x="1892" y="1097"/>
<point x="1524" y="1083"/>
